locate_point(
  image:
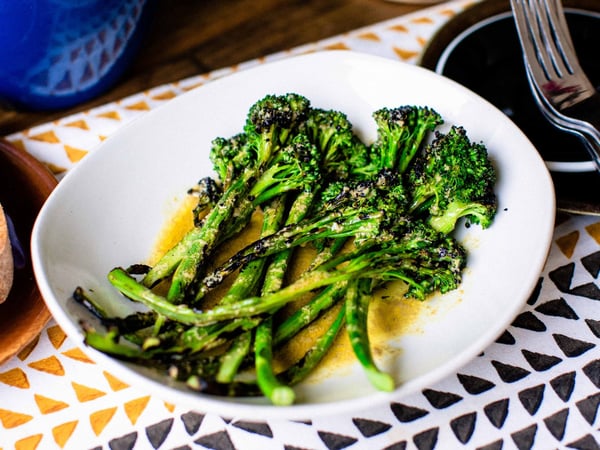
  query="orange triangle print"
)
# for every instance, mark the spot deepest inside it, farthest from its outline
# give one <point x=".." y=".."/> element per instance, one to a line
<point x="337" y="46"/>
<point x="62" y="433"/>
<point x="55" y="169"/>
<point x="12" y="419"/>
<point x="594" y="231"/>
<point x="75" y="154"/>
<point x="78" y="124"/>
<point x="405" y="54"/>
<point x="567" y="243"/>
<point x="48" y="137"/>
<point x="48" y="405"/>
<point x="399" y="28"/>
<point x="114" y="115"/>
<point x="170" y="407"/>
<point x="135" y="408"/>
<point x="100" y="419"/>
<point x="16" y="378"/>
<point x="56" y="335"/>
<point x="49" y="365"/>
<point x="26" y="351"/>
<point x="114" y="382"/>
<point x="422" y="20"/>
<point x="29" y="443"/>
<point x="370" y="36"/>
<point x="77" y="354"/>
<point x="86" y="393"/>
<point x="18" y="143"/>
<point x="167" y="95"/>
<point x="139" y="106"/>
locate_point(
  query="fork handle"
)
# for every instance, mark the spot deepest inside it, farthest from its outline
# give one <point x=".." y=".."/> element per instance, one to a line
<point x="587" y="111"/>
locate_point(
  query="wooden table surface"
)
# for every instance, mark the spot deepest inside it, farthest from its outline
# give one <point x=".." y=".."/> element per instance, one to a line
<point x="191" y="37"/>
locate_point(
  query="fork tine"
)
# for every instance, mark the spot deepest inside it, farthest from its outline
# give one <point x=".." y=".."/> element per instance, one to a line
<point x="556" y="12"/>
<point x="528" y="32"/>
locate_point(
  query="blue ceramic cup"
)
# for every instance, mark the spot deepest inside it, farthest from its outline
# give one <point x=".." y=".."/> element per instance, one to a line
<point x="57" y="53"/>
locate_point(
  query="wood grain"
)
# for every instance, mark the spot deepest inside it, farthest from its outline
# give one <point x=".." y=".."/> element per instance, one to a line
<point x="191" y="37"/>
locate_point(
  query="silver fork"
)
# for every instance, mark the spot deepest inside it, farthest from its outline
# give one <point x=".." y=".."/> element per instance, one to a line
<point x="562" y="90"/>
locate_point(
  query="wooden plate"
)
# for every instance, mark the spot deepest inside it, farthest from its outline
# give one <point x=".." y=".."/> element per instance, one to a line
<point x="25" y="183"/>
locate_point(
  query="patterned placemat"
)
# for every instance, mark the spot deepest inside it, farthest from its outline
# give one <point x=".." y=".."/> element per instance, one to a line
<point x="536" y="387"/>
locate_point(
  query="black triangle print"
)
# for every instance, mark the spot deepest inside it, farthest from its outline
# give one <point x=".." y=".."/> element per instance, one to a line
<point x="528" y="321"/>
<point x="496" y="445"/>
<point x="563" y="385"/>
<point x="594" y="326"/>
<point x="183" y="447"/>
<point x="588" y="407"/>
<point x="497" y="412"/>
<point x="536" y="292"/>
<point x="216" y="441"/>
<point x="192" y="421"/>
<point x="531" y="398"/>
<point x="525" y="438"/>
<point x="397" y="446"/>
<point x="588" y="290"/>
<point x="126" y="442"/>
<point x="464" y="426"/>
<point x="405" y="413"/>
<point x="557" y="308"/>
<point x="336" y="441"/>
<point x="370" y="428"/>
<point x="261" y="428"/>
<point x="557" y="423"/>
<point x="592" y="371"/>
<point x="441" y="400"/>
<point x="540" y="362"/>
<point x="587" y="442"/>
<point x="474" y="385"/>
<point x="592" y="263"/>
<point x="572" y="347"/>
<point x="508" y="373"/>
<point x="506" y="338"/>
<point x="305" y="422"/>
<point x="427" y="439"/>
<point x="158" y="432"/>
<point x="562" y="277"/>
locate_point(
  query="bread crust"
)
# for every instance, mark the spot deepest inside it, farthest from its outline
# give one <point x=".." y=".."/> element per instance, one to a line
<point x="6" y="259"/>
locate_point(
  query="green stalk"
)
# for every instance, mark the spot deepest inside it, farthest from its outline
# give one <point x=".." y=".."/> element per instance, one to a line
<point x="309" y="312"/>
<point x="357" y="306"/>
<point x="270" y="386"/>
<point x="231" y="360"/>
<point x="300" y="370"/>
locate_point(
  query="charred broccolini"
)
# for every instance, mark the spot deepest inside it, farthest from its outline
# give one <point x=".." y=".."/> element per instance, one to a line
<point x="373" y="213"/>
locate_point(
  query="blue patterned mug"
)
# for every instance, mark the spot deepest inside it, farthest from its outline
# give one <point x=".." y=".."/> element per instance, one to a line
<point x="57" y="53"/>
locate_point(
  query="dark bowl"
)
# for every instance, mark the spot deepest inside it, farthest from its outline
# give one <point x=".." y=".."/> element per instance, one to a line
<point x="25" y="183"/>
<point x="479" y="48"/>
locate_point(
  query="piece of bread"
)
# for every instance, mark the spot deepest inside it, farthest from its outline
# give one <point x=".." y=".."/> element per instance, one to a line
<point x="6" y="259"/>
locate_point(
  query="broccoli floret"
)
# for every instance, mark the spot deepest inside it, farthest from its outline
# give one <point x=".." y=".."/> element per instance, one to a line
<point x="400" y="133"/>
<point x="230" y="156"/>
<point x="272" y="121"/>
<point x="342" y="151"/>
<point x="295" y="166"/>
<point x="453" y="178"/>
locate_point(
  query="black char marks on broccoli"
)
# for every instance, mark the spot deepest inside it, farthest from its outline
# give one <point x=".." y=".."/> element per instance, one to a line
<point x="453" y="178"/>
